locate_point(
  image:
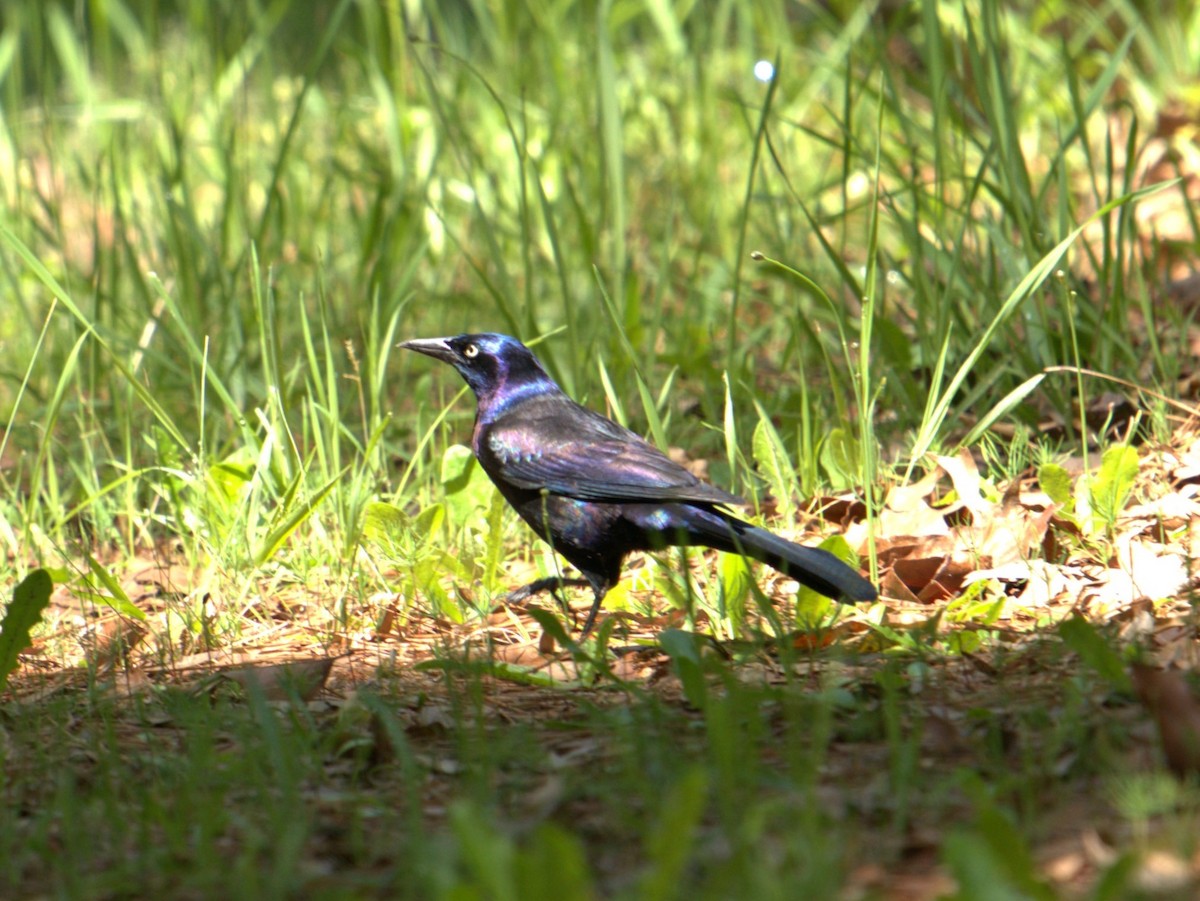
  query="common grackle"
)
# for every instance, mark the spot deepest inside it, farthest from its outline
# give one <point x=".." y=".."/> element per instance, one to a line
<point x="596" y="491"/>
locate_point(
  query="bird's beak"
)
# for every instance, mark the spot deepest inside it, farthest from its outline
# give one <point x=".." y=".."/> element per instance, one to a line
<point x="438" y="348"/>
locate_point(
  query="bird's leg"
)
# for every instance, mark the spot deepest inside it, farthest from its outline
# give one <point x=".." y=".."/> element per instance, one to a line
<point x="552" y="585"/>
<point x="601" y="585"/>
<point x="591" y="617"/>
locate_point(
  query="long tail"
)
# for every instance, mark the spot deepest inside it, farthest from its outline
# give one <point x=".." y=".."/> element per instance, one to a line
<point x="811" y="566"/>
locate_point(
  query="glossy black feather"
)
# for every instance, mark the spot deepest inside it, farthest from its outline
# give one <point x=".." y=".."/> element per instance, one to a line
<point x="595" y="490"/>
<point x="549" y="441"/>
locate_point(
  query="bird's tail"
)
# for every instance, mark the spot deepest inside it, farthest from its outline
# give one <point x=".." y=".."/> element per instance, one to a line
<point x="811" y="566"/>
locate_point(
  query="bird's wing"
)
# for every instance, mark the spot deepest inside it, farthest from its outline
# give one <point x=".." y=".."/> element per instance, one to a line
<point x="571" y="451"/>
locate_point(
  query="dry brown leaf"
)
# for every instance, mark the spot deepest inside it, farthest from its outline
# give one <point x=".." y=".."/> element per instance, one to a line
<point x="1006" y="533"/>
<point x="1188" y="469"/>
<point x="640" y="665"/>
<point x="924" y="571"/>
<point x="908" y="512"/>
<point x="944" y="733"/>
<point x="1175" y="711"/>
<point x="1140" y="573"/>
<point x="843" y="510"/>
<point x="889" y="550"/>
<point x="965" y="475"/>
<point x="904" y="498"/>
<point x="282" y="681"/>
<point x="918" y="572"/>
<point x="109" y="641"/>
<point x="432" y="719"/>
<point x="1065" y="866"/>
<point x="918" y="522"/>
<point x="169" y="577"/>
<point x="1153" y="571"/>
<point x="1175" y="644"/>
<point x="1173" y="509"/>
<point x="893" y="587"/>
<point x="1160" y="871"/>
<point x="1043" y="581"/>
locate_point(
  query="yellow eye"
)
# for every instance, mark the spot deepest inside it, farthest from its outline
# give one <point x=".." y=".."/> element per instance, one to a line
<point x="470" y="351"/>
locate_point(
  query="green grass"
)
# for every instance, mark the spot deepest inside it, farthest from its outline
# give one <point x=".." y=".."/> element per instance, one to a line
<point x="218" y="219"/>
<point x="761" y="793"/>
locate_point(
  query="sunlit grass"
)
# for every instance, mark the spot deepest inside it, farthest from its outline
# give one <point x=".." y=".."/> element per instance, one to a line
<point x="217" y="221"/>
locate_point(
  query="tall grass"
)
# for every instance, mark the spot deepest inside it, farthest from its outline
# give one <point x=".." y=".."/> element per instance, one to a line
<point x="216" y="221"/>
<point x="235" y="214"/>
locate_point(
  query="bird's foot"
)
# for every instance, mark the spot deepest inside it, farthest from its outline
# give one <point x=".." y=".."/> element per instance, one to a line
<point x="552" y="584"/>
<point x="591" y="619"/>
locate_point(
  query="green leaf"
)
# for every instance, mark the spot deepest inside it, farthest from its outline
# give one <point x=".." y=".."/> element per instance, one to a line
<point x="427" y="574"/>
<point x="468" y="489"/>
<point x="1082" y="638"/>
<point x="993" y="863"/>
<point x="1006" y="403"/>
<point x="486" y="853"/>
<point x="277" y="536"/>
<point x="840" y="458"/>
<point x="894" y="636"/>
<point x="30" y="598"/>
<point x="552" y="626"/>
<point x="494" y="546"/>
<point x="554" y="865"/>
<point x="116" y="597"/>
<point x="1115" y="884"/>
<point x="735" y="577"/>
<point x="681" y="647"/>
<point x="383" y="523"/>
<point x="113" y="356"/>
<point x="774" y="463"/>
<point x="457" y="463"/>
<point x="229" y="479"/>
<point x="1113" y="484"/>
<point x="811" y="606"/>
<point x="657" y="431"/>
<point x="1056" y="482"/>
<point x="428" y="521"/>
<point x="525" y="675"/>
<point x="940" y="403"/>
<point x="669" y="845"/>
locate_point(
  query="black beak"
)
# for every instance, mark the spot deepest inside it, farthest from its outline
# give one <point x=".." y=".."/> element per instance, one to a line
<point x="438" y="348"/>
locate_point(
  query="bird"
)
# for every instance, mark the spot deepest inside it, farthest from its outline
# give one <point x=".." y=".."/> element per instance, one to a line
<point x="596" y="491"/>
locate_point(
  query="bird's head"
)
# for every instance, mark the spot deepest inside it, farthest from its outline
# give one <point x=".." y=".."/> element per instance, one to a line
<point x="489" y="362"/>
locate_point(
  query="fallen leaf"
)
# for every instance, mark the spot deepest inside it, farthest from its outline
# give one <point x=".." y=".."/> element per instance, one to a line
<point x="892" y="586"/>
<point x="283" y="681"/>
<point x="1042" y="581"/>
<point x="965" y="475"/>
<point x="904" y="498"/>
<point x="110" y="640"/>
<point x="1175" y="711"/>
<point x="1172" y="509"/>
<point x="1160" y="872"/>
<point x="1008" y="533"/>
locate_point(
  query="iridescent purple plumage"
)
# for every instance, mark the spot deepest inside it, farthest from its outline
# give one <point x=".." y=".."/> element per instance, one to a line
<point x="595" y="490"/>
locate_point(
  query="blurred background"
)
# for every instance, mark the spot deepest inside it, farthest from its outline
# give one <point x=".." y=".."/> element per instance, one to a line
<point x="219" y="217"/>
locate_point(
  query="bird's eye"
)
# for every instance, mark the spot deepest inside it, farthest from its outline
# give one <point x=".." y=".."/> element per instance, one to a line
<point x="471" y="351"/>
